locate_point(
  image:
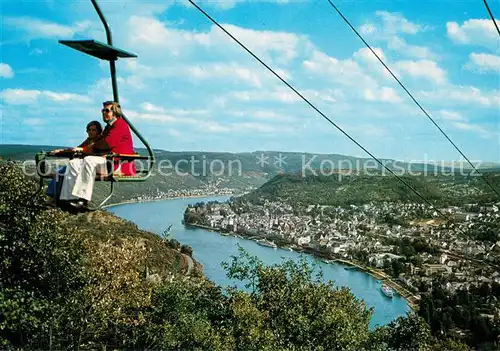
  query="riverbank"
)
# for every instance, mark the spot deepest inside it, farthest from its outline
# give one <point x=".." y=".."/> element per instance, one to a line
<point x="412" y="300"/>
<point x="165" y="198"/>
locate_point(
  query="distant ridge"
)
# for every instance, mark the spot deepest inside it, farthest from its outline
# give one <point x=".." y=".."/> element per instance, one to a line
<point x="290" y="161"/>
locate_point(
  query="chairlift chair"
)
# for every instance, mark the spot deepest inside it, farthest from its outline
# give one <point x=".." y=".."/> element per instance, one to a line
<point x="109" y="53"/>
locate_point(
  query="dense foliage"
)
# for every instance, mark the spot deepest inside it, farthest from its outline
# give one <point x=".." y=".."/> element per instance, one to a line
<point x="464" y="309"/>
<point x="68" y="282"/>
<point x="344" y="190"/>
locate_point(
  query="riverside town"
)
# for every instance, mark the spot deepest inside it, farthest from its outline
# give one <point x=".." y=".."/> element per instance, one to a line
<point x="250" y="175"/>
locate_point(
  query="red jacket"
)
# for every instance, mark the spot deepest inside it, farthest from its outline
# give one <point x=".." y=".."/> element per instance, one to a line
<point x="115" y="138"/>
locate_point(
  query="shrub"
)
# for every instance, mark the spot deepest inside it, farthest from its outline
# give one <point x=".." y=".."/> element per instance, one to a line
<point x="186" y="249"/>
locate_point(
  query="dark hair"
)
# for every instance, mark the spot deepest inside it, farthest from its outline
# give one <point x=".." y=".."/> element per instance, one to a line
<point x="97" y="125"/>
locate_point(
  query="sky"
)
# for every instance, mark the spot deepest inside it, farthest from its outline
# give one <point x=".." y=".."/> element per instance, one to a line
<point x="191" y="88"/>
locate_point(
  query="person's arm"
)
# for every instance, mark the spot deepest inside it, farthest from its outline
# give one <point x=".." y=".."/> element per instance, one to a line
<point x="99" y="147"/>
<point x="84" y="143"/>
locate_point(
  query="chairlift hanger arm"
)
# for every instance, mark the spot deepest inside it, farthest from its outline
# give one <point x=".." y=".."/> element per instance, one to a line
<point x="109" y="37"/>
<point x="112" y="67"/>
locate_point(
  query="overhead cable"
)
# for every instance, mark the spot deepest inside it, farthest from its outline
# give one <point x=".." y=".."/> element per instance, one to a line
<point x="492" y="17"/>
<point x="414" y="100"/>
<point x="320" y="112"/>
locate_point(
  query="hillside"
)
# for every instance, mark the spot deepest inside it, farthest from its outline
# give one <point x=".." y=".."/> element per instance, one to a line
<point x="79" y="282"/>
<point x="360" y="189"/>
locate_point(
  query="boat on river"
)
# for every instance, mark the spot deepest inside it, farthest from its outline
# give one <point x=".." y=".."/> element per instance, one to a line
<point x="267" y="243"/>
<point x="387" y="291"/>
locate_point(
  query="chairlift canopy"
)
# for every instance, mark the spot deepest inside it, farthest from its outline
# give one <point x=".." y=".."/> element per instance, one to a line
<point x="97" y="49"/>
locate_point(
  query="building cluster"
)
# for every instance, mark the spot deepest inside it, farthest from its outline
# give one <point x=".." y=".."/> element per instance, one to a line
<point x="374" y="232"/>
<point x="175" y="193"/>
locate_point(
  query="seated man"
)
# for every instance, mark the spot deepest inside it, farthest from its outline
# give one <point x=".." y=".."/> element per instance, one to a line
<point x="94" y="131"/>
<point x="116" y="138"/>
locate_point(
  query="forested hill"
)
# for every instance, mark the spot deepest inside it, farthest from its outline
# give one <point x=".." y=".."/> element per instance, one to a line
<point x="340" y="189"/>
<point x="243" y="171"/>
<point x="270" y="162"/>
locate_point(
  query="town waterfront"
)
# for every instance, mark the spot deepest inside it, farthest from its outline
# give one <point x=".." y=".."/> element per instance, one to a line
<point x="211" y="249"/>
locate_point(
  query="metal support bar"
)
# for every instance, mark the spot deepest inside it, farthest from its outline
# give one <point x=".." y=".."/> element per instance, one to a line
<point x="141" y="138"/>
<point x="112" y="67"/>
<point x="109" y="196"/>
<point x="109" y="38"/>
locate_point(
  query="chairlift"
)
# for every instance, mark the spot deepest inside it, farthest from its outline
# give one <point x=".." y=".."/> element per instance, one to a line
<point x="109" y="53"/>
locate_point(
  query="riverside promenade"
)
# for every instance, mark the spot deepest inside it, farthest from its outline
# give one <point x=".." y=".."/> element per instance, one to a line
<point x="413" y="300"/>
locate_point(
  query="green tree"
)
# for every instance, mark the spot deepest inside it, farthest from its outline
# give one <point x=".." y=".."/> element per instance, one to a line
<point x="301" y="309"/>
<point x="409" y="333"/>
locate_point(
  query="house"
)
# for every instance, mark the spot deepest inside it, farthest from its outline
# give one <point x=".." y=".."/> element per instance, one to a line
<point x="460" y="216"/>
<point x="432" y="268"/>
<point x="304" y="240"/>
<point x="378" y="259"/>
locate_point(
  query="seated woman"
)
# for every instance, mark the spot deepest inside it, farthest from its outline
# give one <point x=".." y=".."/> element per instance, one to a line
<point x="116" y="138"/>
<point x="94" y="131"/>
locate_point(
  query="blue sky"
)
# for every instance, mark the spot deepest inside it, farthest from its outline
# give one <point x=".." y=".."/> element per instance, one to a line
<point x="192" y="88"/>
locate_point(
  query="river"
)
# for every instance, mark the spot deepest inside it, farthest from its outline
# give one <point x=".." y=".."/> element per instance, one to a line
<point x="211" y="249"/>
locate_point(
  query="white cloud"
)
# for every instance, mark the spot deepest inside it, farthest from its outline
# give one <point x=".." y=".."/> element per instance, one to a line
<point x="6" y="71"/>
<point x="158" y="117"/>
<point x="25" y="97"/>
<point x="150" y="36"/>
<point x="347" y="72"/>
<point x="384" y="94"/>
<point x="214" y="127"/>
<point x="365" y="54"/>
<point x="400" y="45"/>
<point x="463" y="95"/>
<point x="368" y="29"/>
<point x="451" y="115"/>
<point x="423" y="69"/>
<point x="281" y="95"/>
<point x="370" y="63"/>
<point x="473" y="128"/>
<point x="264" y="115"/>
<point x="65" y="96"/>
<point x="228" y="4"/>
<point x="390" y="28"/>
<point x="152" y="109"/>
<point x="37" y="28"/>
<point x="282" y="44"/>
<point x="326" y="95"/>
<point x="474" y="31"/>
<point x="396" y="23"/>
<point x="19" y="96"/>
<point x="229" y="70"/>
<point x="145" y="31"/>
<point x="146" y="106"/>
<point x="484" y="63"/>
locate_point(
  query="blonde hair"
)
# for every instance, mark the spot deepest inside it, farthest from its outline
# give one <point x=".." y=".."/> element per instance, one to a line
<point x="115" y="107"/>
